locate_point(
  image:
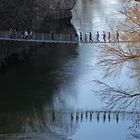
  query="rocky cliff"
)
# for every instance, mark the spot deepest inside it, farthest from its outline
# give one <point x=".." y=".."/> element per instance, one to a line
<point x="31" y="14"/>
<point x="57" y="8"/>
<point x="53" y="11"/>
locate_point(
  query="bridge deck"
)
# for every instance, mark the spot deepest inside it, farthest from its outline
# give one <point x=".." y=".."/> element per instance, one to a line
<point x="63" y="41"/>
<point x="55" y="38"/>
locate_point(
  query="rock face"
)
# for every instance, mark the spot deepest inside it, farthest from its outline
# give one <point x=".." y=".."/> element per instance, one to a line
<point x="53" y="10"/>
<point x="35" y="14"/>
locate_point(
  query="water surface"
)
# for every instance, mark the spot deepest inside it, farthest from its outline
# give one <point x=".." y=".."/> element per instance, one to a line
<point x="38" y="96"/>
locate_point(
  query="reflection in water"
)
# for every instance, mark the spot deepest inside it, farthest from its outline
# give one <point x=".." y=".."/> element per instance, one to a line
<point x="35" y="81"/>
<point x="113" y="58"/>
<point x="57" y="125"/>
<point x="135" y="129"/>
<point x="28" y="90"/>
<point x="38" y="98"/>
<point x="122" y="96"/>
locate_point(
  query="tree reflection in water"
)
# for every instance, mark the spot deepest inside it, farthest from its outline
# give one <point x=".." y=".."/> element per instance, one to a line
<point x="114" y="57"/>
<point x="135" y="129"/>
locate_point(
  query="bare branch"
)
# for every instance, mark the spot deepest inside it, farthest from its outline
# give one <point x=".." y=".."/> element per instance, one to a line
<point x="116" y="98"/>
<point x="112" y="57"/>
<point x="131" y="25"/>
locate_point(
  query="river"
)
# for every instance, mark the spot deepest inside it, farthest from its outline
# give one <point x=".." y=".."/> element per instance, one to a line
<point x="38" y="96"/>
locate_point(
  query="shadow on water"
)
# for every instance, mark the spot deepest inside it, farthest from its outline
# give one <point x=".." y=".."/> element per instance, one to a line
<point x="28" y="97"/>
<point x="29" y="86"/>
<point x="32" y="76"/>
<point x="26" y="83"/>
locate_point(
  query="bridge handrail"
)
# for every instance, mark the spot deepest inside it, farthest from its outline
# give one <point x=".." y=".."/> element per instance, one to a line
<point x="53" y="37"/>
<point x="39" y="36"/>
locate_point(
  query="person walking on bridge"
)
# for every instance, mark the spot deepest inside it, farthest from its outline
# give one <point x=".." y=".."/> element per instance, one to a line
<point x="76" y="37"/>
<point x="86" y="38"/>
<point x="51" y="35"/>
<point x="81" y="37"/>
<point x="10" y="34"/>
<point x="31" y="35"/>
<point x="90" y="37"/>
<point x="26" y="34"/>
<point x="117" y="37"/>
<point x="104" y="36"/>
<point x="109" y="37"/>
<point x="97" y="36"/>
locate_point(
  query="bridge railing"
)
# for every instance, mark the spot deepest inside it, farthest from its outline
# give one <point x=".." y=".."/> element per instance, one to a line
<point x="52" y="37"/>
<point x="39" y="36"/>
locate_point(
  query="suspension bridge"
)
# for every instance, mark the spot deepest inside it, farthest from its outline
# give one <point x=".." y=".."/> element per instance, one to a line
<point x="58" y="38"/>
<point x="20" y="44"/>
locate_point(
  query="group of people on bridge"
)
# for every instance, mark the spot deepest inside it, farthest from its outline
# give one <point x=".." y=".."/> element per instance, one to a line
<point x="105" y="37"/>
<point x="81" y="37"/>
<point x="23" y="35"/>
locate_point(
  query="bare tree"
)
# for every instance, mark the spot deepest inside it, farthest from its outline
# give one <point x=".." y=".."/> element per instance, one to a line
<point x="131" y="26"/>
<point x="135" y="129"/>
<point x="117" y="98"/>
<point x="112" y="58"/>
